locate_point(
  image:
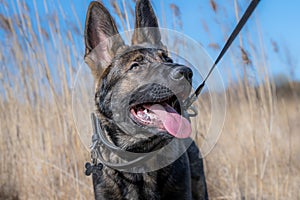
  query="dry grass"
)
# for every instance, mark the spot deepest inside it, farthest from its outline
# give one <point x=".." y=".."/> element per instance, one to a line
<point x="257" y="156"/>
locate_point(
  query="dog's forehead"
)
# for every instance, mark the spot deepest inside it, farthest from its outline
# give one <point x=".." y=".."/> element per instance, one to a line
<point x="126" y="55"/>
<point x="124" y="58"/>
<point x="130" y="53"/>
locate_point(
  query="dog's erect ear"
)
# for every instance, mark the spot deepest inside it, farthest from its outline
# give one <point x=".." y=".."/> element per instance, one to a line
<point x="145" y="17"/>
<point x="100" y="46"/>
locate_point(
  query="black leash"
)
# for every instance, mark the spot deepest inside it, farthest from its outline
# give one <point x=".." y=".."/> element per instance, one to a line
<point x="231" y="38"/>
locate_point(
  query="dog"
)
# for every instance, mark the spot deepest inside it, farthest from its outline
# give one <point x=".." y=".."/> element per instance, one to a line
<point x="140" y="86"/>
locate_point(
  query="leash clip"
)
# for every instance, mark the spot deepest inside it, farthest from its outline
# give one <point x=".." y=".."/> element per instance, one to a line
<point x="194" y="112"/>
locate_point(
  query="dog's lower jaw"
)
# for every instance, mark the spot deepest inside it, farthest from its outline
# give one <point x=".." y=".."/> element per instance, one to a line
<point x="151" y="144"/>
<point x="143" y="142"/>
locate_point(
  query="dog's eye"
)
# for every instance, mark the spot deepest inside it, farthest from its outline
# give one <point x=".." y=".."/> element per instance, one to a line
<point x="134" y="66"/>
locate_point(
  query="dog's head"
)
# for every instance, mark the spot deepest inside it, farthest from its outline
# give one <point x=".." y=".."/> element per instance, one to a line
<point x="138" y="88"/>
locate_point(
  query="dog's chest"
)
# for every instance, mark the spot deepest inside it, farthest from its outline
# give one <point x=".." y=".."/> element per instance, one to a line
<point x="172" y="182"/>
<point x="119" y="185"/>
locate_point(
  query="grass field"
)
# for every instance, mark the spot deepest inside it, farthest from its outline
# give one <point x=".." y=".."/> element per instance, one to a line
<point x="42" y="157"/>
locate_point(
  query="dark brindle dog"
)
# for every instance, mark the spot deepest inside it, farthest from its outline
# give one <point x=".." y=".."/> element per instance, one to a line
<point x="142" y="87"/>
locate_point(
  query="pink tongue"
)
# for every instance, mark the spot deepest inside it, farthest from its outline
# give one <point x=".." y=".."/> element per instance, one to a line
<point x="174" y="123"/>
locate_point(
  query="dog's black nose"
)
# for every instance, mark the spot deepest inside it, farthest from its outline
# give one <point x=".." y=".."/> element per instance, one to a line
<point x="181" y="72"/>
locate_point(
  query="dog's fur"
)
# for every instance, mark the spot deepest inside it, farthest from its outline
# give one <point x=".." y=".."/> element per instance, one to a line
<point x="133" y="75"/>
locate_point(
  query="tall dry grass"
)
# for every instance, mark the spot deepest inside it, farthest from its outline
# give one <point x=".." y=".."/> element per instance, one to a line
<point x="41" y="154"/>
<point x="257" y="156"/>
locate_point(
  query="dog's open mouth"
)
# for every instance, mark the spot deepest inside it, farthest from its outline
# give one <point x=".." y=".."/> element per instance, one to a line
<point x="164" y="115"/>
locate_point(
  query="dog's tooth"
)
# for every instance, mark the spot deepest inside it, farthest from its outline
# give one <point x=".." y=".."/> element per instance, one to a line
<point x="173" y="103"/>
<point x="139" y="114"/>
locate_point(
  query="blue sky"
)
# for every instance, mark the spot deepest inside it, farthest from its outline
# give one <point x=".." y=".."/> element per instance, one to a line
<point x="278" y="21"/>
<point x="274" y="23"/>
